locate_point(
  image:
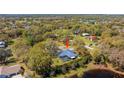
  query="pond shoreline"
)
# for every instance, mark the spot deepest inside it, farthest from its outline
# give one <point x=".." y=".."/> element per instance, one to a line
<point x="101" y="71"/>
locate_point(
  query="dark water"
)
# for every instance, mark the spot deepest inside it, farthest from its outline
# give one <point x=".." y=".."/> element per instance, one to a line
<point x="101" y="73"/>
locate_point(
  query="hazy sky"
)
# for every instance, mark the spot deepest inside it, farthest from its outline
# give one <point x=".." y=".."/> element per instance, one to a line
<point x="62" y="6"/>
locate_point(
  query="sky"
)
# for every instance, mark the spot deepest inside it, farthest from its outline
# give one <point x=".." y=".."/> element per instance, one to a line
<point x="61" y="7"/>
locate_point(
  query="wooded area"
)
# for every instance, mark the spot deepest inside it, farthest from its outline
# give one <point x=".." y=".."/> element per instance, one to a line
<point x="35" y="43"/>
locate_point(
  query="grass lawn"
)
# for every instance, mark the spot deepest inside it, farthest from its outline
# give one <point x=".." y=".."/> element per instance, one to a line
<point x="87" y="41"/>
<point x="57" y="62"/>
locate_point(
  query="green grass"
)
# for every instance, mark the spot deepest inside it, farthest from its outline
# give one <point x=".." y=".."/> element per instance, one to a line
<point x="87" y="41"/>
<point x="10" y="42"/>
<point x="57" y="61"/>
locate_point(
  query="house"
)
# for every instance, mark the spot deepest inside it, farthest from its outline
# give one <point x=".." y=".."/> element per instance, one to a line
<point x="4" y="76"/>
<point x="85" y="34"/>
<point x="77" y="32"/>
<point x="92" y="37"/>
<point x="2" y="44"/>
<point x="10" y="71"/>
<point x="67" y="55"/>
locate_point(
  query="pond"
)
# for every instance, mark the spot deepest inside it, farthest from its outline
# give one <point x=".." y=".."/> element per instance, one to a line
<point x="102" y="73"/>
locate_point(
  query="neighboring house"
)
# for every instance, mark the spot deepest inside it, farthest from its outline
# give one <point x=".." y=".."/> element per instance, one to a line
<point x="92" y="37"/>
<point x="2" y="44"/>
<point x="67" y="55"/>
<point x="4" y="76"/>
<point x="85" y="34"/>
<point x="10" y="71"/>
<point x="77" y="32"/>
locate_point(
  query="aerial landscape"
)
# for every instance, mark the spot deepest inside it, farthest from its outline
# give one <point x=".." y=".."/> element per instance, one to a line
<point x="61" y="46"/>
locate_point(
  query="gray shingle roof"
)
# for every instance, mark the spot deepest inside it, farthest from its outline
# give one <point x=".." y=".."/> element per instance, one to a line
<point x="5" y="70"/>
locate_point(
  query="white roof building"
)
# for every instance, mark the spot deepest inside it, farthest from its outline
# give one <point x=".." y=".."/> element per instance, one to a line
<point x="2" y="44"/>
<point x="85" y="34"/>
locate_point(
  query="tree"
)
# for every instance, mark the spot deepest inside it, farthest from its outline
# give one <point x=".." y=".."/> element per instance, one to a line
<point x="20" y="48"/>
<point x="78" y="41"/>
<point x="4" y="37"/>
<point x="4" y="54"/>
<point x="63" y="33"/>
<point x="116" y="57"/>
<point x="79" y="46"/>
<point x="13" y="33"/>
<point x="100" y="59"/>
<point x="118" y="42"/>
<point x="39" y="59"/>
<point x="98" y="56"/>
<point x="51" y="47"/>
<point x="105" y="34"/>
